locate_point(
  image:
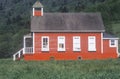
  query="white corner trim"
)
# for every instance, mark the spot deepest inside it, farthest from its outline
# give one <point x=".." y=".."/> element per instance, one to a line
<point x="33" y="11"/>
<point x="102" y="43"/>
<point x="117" y="48"/>
<point x="41" y="11"/>
<point x="33" y="42"/>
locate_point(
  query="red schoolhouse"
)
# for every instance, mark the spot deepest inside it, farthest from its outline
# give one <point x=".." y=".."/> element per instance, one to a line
<point x="67" y="36"/>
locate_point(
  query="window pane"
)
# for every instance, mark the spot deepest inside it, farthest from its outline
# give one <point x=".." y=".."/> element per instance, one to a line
<point x="45" y="43"/>
<point x="91" y="43"/>
<point x="38" y="9"/>
<point x="46" y="40"/>
<point x="43" y="39"/>
<point x="112" y="42"/>
<point x="76" y="43"/>
<point x="61" y="43"/>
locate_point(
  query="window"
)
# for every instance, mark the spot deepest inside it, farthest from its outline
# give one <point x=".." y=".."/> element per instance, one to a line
<point x="45" y="43"/>
<point x="76" y="43"/>
<point x="112" y="43"/>
<point x="61" y="43"/>
<point x="91" y="43"/>
<point x="38" y="9"/>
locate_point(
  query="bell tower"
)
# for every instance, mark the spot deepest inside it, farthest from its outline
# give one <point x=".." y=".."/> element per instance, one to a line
<point x="37" y="9"/>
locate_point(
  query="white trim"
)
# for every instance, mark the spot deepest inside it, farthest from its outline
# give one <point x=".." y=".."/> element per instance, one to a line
<point x="102" y="43"/>
<point x="33" y="11"/>
<point x="117" y="48"/>
<point x="63" y="42"/>
<point x="115" y="41"/>
<point x="45" y="49"/>
<point x="24" y="42"/>
<point x="33" y="42"/>
<point x="93" y="41"/>
<point x="41" y="11"/>
<point x="97" y="31"/>
<point x="76" y="43"/>
<point x="24" y="45"/>
<point x="111" y="38"/>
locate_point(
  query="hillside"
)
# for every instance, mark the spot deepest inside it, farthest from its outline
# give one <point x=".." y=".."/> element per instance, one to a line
<point x="15" y="18"/>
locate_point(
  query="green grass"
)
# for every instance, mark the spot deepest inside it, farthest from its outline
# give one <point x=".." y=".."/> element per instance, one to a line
<point x="89" y="69"/>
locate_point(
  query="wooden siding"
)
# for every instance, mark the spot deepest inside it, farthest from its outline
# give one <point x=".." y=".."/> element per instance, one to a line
<point x="37" y="13"/>
<point x="69" y="54"/>
<point x="109" y="52"/>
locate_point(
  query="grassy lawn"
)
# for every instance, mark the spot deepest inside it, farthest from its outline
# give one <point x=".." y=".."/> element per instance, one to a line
<point x="89" y="69"/>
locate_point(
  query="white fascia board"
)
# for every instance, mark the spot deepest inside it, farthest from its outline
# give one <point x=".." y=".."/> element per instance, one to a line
<point x="112" y="38"/>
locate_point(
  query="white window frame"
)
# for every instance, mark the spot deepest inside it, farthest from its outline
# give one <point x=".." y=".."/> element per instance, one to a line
<point x="61" y="40"/>
<point x="42" y="46"/>
<point x="110" y="43"/>
<point x="76" y="43"/>
<point x="91" y="43"/>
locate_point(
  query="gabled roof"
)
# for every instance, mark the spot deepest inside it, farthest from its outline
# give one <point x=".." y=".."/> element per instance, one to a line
<point x="67" y="22"/>
<point x="109" y="36"/>
<point x="37" y="4"/>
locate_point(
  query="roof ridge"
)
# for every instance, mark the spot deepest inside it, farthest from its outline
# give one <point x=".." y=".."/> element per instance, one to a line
<point x="37" y="4"/>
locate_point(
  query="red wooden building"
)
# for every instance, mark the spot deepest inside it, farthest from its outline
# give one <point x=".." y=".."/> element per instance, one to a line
<point x="67" y="36"/>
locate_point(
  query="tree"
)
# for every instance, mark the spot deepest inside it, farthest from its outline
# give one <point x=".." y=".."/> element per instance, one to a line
<point x="79" y="7"/>
<point x="63" y="9"/>
<point x="1" y="6"/>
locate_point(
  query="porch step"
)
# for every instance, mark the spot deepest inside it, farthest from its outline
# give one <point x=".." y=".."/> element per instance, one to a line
<point x="18" y="55"/>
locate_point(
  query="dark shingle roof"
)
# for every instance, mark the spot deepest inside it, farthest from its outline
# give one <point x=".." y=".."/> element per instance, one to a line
<point x="108" y="36"/>
<point x="37" y="4"/>
<point x="67" y="22"/>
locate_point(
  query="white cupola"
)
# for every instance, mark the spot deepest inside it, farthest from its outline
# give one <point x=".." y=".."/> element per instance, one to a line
<point x="37" y="9"/>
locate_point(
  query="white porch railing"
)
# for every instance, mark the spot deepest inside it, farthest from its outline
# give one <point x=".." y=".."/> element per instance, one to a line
<point x="28" y="50"/>
<point x="18" y="55"/>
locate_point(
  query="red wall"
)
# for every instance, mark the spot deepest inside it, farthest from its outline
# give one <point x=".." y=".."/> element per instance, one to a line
<point x="109" y="52"/>
<point x="37" y="13"/>
<point x="69" y="54"/>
